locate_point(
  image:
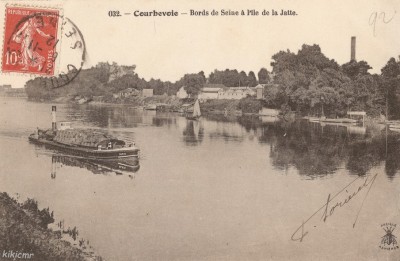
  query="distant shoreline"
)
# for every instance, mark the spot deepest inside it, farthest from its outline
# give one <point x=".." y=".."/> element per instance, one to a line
<point x="211" y="107"/>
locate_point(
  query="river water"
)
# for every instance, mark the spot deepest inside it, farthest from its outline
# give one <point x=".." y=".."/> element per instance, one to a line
<point x="218" y="189"/>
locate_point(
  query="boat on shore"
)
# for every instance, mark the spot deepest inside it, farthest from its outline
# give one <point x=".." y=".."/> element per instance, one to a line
<point x="394" y="127"/>
<point x="338" y="120"/>
<point x="313" y="119"/>
<point x="196" y="112"/>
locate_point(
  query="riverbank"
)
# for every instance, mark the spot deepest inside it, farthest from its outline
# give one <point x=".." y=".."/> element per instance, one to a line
<point x="24" y="234"/>
<point x="249" y="106"/>
<point x="229" y="107"/>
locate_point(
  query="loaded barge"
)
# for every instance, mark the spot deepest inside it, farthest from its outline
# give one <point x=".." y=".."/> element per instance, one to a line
<point x="86" y="143"/>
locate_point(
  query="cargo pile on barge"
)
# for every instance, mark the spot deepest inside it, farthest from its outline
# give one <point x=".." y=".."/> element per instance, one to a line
<point x="89" y="138"/>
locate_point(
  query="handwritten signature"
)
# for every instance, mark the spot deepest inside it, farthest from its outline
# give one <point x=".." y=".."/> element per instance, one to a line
<point x="329" y="208"/>
<point x="376" y="17"/>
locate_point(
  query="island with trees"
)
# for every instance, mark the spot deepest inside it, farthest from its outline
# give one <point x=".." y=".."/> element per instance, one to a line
<point x="301" y="82"/>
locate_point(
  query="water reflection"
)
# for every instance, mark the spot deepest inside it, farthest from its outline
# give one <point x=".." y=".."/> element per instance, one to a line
<point x="119" y="116"/>
<point x="233" y="172"/>
<point x="314" y="149"/>
<point x="163" y="120"/>
<point x="193" y="134"/>
<point x="104" y="167"/>
<point x="318" y="150"/>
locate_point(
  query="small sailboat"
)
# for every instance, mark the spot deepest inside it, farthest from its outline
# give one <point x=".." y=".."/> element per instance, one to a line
<point x="196" y="112"/>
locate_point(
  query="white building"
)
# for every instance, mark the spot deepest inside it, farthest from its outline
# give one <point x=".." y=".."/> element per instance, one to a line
<point x="209" y="93"/>
<point x="236" y="93"/>
<point x="219" y="91"/>
<point x="147" y="92"/>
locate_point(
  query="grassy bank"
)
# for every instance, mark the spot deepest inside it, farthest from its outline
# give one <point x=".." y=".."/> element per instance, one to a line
<point x="23" y="229"/>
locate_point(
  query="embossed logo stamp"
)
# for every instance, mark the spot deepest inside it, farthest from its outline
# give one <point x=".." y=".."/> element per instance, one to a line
<point x="30" y="38"/>
<point x="388" y="241"/>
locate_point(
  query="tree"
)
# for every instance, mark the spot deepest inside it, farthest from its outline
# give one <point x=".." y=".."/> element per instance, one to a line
<point x="263" y="76"/>
<point x="391" y="69"/>
<point x="309" y="80"/>
<point x="274" y="96"/>
<point x="157" y="85"/>
<point x="353" y="68"/>
<point x="201" y="73"/>
<point x="390" y="86"/>
<point x="193" y="82"/>
<point x="232" y="78"/>
<point x="282" y="61"/>
<point x="252" y="79"/>
<point x="250" y="105"/>
<point x="243" y="80"/>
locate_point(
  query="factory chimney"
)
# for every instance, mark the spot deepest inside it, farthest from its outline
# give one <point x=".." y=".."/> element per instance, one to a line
<point x="53" y="116"/>
<point x="353" y="48"/>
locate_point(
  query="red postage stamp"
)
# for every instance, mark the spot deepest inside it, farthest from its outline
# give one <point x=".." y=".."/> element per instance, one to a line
<point x="30" y="39"/>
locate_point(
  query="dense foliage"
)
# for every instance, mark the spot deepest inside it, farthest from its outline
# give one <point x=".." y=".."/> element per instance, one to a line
<point x="233" y="78"/>
<point x="306" y="82"/>
<point x="106" y="79"/>
<point x="310" y="83"/>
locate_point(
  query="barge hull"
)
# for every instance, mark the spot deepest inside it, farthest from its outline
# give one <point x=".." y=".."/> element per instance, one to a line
<point x="89" y="153"/>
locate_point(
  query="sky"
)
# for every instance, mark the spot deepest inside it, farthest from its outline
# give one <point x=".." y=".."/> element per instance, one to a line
<point x="168" y="47"/>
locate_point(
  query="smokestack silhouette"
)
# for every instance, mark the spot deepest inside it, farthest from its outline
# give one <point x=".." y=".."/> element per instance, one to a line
<point x="53" y="116"/>
<point x="353" y="48"/>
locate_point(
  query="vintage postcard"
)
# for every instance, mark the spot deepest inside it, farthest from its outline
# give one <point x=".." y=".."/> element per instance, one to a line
<point x="200" y="130"/>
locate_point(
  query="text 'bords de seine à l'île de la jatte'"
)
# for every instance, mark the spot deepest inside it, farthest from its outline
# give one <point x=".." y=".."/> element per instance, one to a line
<point x="204" y="12"/>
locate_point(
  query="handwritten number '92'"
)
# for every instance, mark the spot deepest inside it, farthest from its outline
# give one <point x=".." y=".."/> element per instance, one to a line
<point x="374" y="18"/>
